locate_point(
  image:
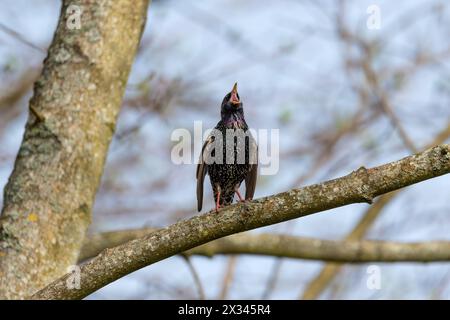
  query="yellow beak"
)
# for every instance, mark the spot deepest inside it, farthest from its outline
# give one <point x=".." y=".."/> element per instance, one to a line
<point x="234" y="88"/>
<point x="234" y="95"/>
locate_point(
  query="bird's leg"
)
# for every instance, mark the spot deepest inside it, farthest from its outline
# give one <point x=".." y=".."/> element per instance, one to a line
<point x="239" y="195"/>
<point x="217" y="202"/>
<point x="218" y="199"/>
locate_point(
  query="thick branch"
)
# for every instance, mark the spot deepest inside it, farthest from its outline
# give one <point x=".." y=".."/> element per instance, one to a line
<point x="49" y="195"/>
<point x="289" y="247"/>
<point x="359" y="186"/>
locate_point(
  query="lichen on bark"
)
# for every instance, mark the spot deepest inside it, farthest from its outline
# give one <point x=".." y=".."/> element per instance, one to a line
<point x="73" y="111"/>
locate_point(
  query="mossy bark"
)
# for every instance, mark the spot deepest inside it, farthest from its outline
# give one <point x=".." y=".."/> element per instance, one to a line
<point x="49" y="195"/>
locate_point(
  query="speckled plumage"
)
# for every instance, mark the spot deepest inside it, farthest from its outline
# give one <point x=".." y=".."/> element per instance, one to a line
<point x="227" y="176"/>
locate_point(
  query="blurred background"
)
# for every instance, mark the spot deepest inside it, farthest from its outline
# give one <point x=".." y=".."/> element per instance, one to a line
<point x="343" y="92"/>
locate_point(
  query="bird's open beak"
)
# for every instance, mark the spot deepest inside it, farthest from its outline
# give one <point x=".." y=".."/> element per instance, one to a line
<point x="234" y="95"/>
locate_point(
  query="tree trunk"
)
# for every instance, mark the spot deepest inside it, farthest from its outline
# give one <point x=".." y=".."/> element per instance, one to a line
<point x="49" y="195"/>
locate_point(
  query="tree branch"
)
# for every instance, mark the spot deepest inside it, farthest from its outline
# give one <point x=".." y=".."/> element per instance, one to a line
<point x="290" y="247"/>
<point x="361" y="185"/>
<point x="316" y="286"/>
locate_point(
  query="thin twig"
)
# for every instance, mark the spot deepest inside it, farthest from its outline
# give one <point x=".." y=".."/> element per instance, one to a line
<point x="20" y="38"/>
<point x="228" y="278"/>
<point x="195" y="277"/>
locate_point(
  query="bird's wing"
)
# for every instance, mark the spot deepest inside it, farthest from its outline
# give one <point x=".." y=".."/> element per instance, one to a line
<point x="202" y="168"/>
<point x="250" y="179"/>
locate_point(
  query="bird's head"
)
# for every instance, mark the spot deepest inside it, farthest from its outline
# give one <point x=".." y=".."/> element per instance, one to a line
<point x="231" y="104"/>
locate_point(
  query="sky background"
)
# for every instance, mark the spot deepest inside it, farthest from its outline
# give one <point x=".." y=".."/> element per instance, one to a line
<point x="293" y="70"/>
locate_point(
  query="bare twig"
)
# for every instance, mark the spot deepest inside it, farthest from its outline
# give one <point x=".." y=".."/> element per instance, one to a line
<point x="21" y="38"/>
<point x="228" y="278"/>
<point x="196" y="277"/>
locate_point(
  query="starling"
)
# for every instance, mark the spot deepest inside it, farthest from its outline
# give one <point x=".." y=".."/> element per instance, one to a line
<point x="240" y="155"/>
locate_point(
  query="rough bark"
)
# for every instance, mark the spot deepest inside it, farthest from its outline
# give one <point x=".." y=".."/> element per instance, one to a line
<point x="361" y="185"/>
<point x="276" y="245"/>
<point x="49" y="195"/>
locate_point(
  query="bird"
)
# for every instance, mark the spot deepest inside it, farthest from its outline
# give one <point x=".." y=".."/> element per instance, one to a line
<point x="227" y="174"/>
